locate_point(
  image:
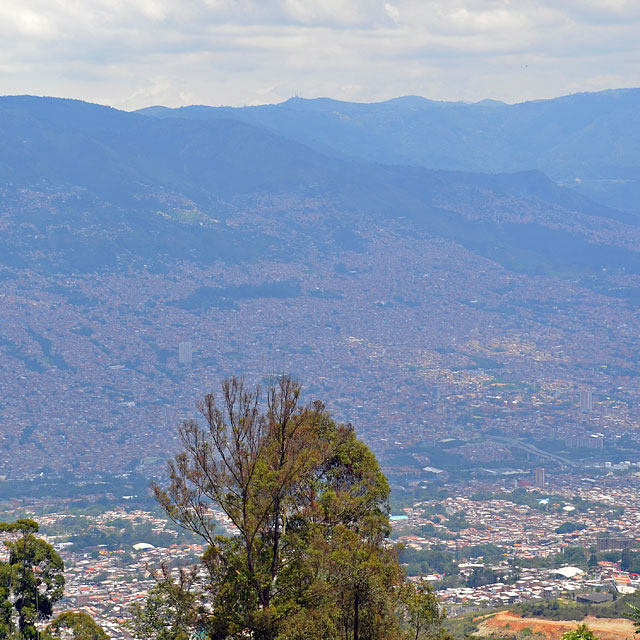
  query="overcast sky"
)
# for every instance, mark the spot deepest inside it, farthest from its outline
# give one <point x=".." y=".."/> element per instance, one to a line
<point x="135" y="53"/>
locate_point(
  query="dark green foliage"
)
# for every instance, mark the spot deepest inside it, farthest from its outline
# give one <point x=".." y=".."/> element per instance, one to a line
<point x="74" y="626"/>
<point x="24" y="525"/>
<point x="634" y="614"/>
<point x="126" y="535"/>
<point x="571" y="556"/>
<point x="553" y="610"/>
<point x="563" y="610"/>
<point x="457" y="522"/>
<point x="612" y="555"/>
<point x="170" y="610"/>
<point x="311" y="508"/>
<point x="582" y="632"/>
<point x="488" y="552"/>
<point x="426" y="561"/>
<point x="31" y="581"/>
<point x="531" y="499"/>
<point x="420" y="613"/>
<point x="630" y="561"/>
<point x="569" y="527"/>
<point x="421" y="562"/>
<point x="482" y="576"/>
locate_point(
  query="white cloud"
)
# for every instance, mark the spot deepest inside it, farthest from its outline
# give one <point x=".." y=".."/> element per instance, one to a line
<point x="133" y="52"/>
<point x="392" y="11"/>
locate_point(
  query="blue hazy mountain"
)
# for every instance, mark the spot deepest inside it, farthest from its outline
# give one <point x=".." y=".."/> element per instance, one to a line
<point x="590" y="141"/>
<point x="92" y="188"/>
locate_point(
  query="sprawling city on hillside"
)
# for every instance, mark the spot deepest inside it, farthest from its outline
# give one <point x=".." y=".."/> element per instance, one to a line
<point x="414" y="341"/>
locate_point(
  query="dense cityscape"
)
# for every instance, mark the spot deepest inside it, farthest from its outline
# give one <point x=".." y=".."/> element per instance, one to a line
<point x="415" y="341"/>
<point x="489" y="545"/>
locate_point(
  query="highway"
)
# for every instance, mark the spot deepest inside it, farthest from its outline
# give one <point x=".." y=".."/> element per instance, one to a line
<point x="533" y="450"/>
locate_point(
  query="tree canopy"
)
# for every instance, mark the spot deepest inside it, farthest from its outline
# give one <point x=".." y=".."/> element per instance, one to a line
<point x="73" y="625"/>
<point x="311" y="557"/>
<point x="31" y="581"/>
<point x="581" y="632"/>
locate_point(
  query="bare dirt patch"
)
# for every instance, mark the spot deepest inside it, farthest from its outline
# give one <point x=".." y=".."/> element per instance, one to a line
<point x="508" y="623"/>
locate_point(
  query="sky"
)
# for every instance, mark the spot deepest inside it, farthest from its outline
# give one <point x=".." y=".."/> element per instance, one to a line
<point x="136" y="53"/>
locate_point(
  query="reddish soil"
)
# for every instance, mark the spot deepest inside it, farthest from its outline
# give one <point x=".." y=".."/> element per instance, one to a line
<point x="508" y="623"/>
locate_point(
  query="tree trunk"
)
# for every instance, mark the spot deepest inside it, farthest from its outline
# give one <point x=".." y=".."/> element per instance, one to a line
<point x="356" y="618"/>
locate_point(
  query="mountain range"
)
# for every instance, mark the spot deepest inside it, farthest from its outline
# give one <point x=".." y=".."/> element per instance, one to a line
<point x="588" y="141"/>
<point x="121" y="169"/>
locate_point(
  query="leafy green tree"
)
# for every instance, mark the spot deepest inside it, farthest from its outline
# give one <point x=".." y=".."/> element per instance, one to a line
<point x="481" y="576"/>
<point x="6" y="609"/>
<point x="74" y="626"/>
<point x="569" y="527"/>
<point x="31" y="582"/>
<point x="170" y="611"/>
<point x="420" y="613"/>
<point x="24" y="525"/>
<point x="457" y="522"/>
<point x="572" y="555"/>
<point x="635" y="616"/>
<point x="581" y="632"/>
<point x="310" y="506"/>
<point x="424" y="561"/>
<point x="630" y="561"/>
<point x="490" y="552"/>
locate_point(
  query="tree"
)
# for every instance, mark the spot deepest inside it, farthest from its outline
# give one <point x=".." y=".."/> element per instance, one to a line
<point x="420" y="613"/>
<point x="310" y="506"/>
<point x="24" y="525"/>
<point x="31" y="582"/>
<point x="573" y="556"/>
<point x="569" y="527"/>
<point x="581" y="632"/>
<point x="74" y="626"/>
<point x="171" y="608"/>
<point x="635" y="616"/>
<point x="481" y="576"/>
<point x="630" y="561"/>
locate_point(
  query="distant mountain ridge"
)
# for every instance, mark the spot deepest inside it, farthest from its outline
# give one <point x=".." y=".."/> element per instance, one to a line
<point x="590" y="141"/>
<point x="134" y="189"/>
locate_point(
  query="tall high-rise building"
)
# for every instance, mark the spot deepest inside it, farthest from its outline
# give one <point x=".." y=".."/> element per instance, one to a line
<point x="586" y="400"/>
<point x="541" y="480"/>
<point x="184" y="353"/>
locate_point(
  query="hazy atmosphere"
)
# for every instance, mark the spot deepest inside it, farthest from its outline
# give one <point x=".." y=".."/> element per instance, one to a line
<point x="236" y="52"/>
<point x="320" y="320"/>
